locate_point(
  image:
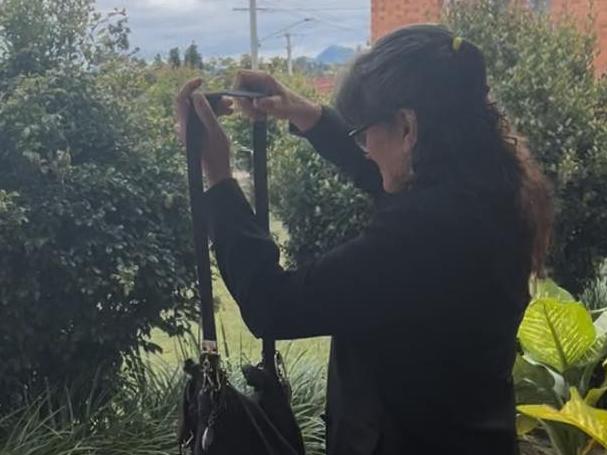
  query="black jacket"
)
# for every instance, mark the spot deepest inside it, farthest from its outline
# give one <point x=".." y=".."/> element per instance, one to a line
<point x="422" y="307"/>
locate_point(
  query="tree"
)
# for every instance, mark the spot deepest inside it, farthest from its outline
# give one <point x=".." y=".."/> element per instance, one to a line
<point x="174" y="57"/>
<point x="158" y="60"/>
<point x="192" y="57"/>
<point x="95" y="246"/>
<point x="31" y="43"/>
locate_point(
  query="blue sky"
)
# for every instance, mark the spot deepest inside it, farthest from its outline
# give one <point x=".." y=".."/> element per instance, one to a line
<point x="158" y="25"/>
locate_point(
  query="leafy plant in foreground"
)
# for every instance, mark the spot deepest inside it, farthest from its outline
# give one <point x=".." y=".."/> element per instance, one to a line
<point x="562" y="350"/>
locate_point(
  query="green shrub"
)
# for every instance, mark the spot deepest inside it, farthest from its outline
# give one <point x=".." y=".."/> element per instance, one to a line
<point x="95" y="241"/>
<point x="319" y="206"/>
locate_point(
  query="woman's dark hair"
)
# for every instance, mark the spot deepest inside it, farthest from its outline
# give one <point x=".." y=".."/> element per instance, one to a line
<point x="462" y="137"/>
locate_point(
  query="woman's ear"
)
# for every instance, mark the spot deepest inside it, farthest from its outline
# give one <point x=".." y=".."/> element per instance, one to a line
<point x="408" y="120"/>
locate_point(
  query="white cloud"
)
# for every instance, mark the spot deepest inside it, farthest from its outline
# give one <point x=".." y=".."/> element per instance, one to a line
<point x="181" y="4"/>
<point x="163" y="6"/>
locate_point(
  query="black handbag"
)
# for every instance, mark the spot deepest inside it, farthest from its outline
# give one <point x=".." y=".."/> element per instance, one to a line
<point x="216" y="418"/>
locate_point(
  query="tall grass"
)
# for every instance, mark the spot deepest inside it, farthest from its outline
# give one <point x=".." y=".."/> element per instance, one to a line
<point x="308" y="381"/>
<point x="141" y="417"/>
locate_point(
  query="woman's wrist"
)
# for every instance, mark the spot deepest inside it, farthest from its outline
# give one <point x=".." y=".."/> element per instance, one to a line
<point x="306" y="115"/>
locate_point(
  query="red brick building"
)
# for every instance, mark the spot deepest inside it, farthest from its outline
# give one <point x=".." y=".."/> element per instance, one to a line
<point x="386" y="15"/>
<point x="580" y="10"/>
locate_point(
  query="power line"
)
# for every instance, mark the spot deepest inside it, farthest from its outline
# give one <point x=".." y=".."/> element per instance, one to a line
<point x="284" y="29"/>
<point x="321" y="9"/>
<point x="331" y="9"/>
<point x="346" y="4"/>
<point x="295" y="12"/>
<point x="273" y="38"/>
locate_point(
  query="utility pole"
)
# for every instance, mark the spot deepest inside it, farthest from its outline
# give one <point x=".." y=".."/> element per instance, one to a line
<point x="254" y="41"/>
<point x="252" y="9"/>
<point x="289" y="55"/>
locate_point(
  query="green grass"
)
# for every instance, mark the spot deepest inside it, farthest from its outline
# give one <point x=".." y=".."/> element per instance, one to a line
<point x="233" y="335"/>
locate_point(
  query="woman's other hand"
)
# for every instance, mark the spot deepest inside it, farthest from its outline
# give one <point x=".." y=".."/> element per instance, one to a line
<point x="280" y="102"/>
<point x="215" y="145"/>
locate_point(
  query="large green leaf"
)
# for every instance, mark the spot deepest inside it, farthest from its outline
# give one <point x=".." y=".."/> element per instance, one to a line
<point x="576" y="412"/>
<point x="556" y="333"/>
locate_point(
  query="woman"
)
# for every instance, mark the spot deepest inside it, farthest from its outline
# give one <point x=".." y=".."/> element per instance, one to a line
<point x="423" y="307"/>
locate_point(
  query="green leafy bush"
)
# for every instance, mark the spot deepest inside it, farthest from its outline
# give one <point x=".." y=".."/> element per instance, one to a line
<point x="94" y="231"/>
<point x="319" y="206"/>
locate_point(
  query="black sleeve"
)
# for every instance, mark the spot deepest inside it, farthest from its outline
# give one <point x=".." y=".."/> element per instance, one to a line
<point x="329" y="137"/>
<point x="359" y="286"/>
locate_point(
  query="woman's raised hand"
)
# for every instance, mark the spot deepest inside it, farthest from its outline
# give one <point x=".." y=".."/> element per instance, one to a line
<point x="216" y="146"/>
<point x="280" y="102"/>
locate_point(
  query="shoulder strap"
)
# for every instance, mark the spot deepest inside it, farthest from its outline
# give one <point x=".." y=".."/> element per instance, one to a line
<point x="194" y="135"/>
<point x="262" y="212"/>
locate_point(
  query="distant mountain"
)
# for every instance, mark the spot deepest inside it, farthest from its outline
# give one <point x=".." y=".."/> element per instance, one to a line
<point x="335" y="55"/>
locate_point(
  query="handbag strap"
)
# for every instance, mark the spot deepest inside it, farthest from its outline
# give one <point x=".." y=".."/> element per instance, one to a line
<point x="194" y="136"/>
<point x="262" y="213"/>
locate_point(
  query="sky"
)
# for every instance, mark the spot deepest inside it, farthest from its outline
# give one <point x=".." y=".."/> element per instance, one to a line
<point x="218" y="30"/>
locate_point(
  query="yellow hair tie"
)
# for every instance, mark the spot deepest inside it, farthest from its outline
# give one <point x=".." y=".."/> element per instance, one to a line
<point x="457" y="43"/>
